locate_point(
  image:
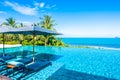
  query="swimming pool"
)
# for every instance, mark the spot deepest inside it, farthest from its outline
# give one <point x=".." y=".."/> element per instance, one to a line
<point x="101" y="62"/>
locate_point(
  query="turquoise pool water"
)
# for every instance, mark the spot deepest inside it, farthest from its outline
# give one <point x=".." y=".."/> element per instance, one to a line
<point x="101" y="62"/>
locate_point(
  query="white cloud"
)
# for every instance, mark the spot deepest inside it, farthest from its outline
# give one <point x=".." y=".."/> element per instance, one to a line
<point x="42" y="4"/>
<point x="22" y="9"/>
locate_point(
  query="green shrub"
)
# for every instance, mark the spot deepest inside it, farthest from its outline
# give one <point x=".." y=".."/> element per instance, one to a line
<point x="12" y="42"/>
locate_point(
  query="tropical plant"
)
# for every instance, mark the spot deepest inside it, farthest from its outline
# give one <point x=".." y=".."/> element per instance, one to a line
<point x="45" y="22"/>
<point x="60" y="42"/>
<point x="10" y="22"/>
<point x="21" y="37"/>
<point x="48" y="23"/>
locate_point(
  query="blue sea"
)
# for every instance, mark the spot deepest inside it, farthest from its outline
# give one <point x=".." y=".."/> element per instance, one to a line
<point x="105" y="42"/>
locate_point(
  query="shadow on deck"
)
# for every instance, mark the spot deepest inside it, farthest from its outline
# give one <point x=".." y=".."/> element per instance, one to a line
<point x="65" y="74"/>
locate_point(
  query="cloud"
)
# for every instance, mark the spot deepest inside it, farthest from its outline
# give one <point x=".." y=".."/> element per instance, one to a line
<point x="22" y="9"/>
<point x="42" y="4"/>
<point x="39" y="5"/>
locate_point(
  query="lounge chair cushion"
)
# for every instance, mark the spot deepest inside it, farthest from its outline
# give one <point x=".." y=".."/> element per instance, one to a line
<point x="25" y="60"/>
<point x="8" y="57"/>
<point x="2" y="62"/>
<point x="38" y="65"/>
<point x="1" y="55"/>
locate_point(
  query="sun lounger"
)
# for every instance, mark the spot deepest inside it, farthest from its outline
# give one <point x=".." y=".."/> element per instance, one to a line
<point x="31" y="68"/>
<point x="25" y="60"/>
<point x="8" y="57"/>
<point x="2" y="62"/>
<point x="1" y="55"/>
<point x="38" y="65"/>
<point x="3" y="65"/>
<point x="14" y="64"/>
<point x="35" y="66"/>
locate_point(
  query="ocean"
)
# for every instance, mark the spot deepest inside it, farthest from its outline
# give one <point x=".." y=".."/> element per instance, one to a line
<point x="104" y="42"/>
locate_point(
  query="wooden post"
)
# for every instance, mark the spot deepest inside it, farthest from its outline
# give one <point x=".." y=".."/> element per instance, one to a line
<point x="33" y="46"/>
<point x="3" y="45"/>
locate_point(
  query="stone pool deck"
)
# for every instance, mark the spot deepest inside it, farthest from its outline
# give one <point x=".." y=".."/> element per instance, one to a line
<point x="4" y="78"/>
<point x="8" y="46"/>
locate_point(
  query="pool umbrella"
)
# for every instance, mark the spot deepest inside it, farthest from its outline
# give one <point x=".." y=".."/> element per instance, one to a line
<point x="33" y="30"/>
<point x="4" y="30"/>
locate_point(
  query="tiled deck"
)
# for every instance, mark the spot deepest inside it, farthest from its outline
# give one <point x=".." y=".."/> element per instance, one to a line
<point x="4" y="78"/>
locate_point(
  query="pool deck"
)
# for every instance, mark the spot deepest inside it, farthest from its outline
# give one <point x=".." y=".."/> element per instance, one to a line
<point x="4" y="78"/>
<point x="8" y="46"/>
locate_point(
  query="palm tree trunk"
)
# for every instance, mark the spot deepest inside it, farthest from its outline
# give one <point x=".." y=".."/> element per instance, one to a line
<point x="46" y="40"/>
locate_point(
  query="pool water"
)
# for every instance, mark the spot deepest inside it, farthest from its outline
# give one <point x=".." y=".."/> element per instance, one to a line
<point x="100" y="62"/>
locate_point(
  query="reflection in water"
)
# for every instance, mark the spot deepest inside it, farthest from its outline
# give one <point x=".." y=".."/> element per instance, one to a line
<point x="65" y="74"/>
<point x="46" y="56"/>
<point x="21" y="54"/>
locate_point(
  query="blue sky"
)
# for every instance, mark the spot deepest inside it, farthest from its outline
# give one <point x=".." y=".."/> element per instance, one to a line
<point x="75" y="18"/>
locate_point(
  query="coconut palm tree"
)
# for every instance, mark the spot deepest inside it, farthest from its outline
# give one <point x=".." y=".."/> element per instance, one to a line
<point x="21" y="36"/>
<point x="10" y="22"/>
<point x="48" y="23"/>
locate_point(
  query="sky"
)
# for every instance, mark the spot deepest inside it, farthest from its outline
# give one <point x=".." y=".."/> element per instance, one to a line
<point x="74" y="18"/>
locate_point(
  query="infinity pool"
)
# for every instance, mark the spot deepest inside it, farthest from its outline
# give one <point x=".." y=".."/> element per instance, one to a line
<point x="99" y="62"/>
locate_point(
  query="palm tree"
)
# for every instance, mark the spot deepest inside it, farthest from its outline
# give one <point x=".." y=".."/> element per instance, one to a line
<point x="21" y="36"/>
<point x="10" y="22"/>
<point x="48" y="23"/>
<point x="21" y="25"/>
